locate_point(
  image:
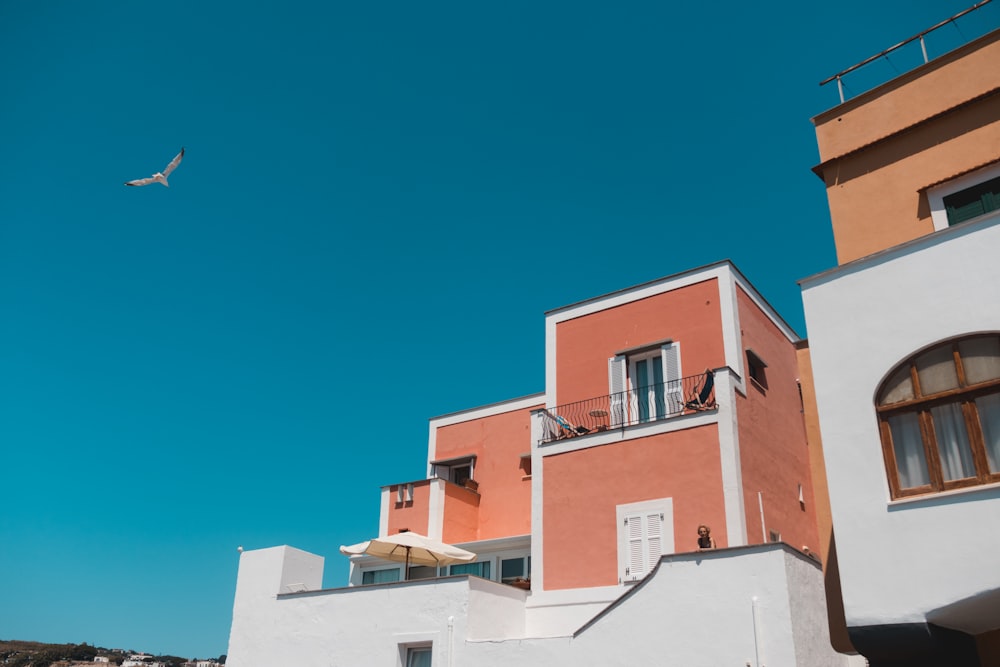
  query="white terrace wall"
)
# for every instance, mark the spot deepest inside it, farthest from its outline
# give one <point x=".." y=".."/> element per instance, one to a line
<point x="761" y="605"/>
<point x="906" y="560"/>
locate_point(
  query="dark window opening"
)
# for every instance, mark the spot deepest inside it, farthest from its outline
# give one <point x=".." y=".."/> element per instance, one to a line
<point x="756" y="369"/>
<point x="973" y="202"/>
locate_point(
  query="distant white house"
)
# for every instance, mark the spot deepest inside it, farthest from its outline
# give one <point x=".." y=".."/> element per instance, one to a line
<point x="141" y="660"/>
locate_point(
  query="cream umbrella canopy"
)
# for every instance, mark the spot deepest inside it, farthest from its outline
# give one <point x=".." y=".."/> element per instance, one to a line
<point x="409" y="547"/>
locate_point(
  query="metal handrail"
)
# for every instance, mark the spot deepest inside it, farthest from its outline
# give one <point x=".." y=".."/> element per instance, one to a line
<point x="923" y="47"/>
<point x="628" y="408"/>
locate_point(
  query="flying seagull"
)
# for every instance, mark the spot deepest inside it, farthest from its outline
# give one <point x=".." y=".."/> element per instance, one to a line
<point x="160" y="177"/>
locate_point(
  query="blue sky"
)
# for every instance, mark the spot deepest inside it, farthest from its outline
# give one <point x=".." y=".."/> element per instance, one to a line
<point x="378" y="203"/>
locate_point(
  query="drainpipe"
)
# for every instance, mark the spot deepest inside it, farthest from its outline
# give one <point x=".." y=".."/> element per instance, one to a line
<point x="451" y="640"/>
<point x="756" y="631"/>
<point x="763" y="527"/>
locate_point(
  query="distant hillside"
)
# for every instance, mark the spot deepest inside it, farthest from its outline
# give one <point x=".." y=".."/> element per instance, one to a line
<point x="14" y="653"/>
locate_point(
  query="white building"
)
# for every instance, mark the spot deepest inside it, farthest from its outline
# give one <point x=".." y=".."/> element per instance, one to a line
<point x="904" y="338"/>
<point x="765" y="603"/>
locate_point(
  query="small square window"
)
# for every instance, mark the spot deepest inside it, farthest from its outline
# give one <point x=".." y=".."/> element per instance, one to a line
<point x="515" y="569"/>
<point x="756" y="369"/>
<point x="526" y="465"/>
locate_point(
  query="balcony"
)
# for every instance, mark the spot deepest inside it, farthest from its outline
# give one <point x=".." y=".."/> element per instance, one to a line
<point x="655" y="402"/>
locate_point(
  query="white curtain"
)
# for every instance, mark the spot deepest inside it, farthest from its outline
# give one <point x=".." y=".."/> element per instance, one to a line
<point x="989" y="418"/>
<point x="953" y="442"/>
<point x="909" y="449"/>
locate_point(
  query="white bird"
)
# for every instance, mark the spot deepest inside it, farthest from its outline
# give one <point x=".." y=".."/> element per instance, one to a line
<point x="160" y="177"/>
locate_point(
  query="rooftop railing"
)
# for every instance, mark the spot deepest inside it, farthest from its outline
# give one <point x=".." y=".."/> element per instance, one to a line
<point x="919" y="37"/>
<point x="628" y="408"/>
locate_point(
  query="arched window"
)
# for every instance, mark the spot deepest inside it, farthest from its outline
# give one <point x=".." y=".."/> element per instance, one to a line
<point x="939" y="416"/>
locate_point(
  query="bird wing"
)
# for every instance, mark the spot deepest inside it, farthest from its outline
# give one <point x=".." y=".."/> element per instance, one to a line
<point x="173" y="163"/>
<point x="141" y="181"/>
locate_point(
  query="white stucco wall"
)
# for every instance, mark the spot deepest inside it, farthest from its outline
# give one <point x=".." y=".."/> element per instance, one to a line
<point x="900" y="561"/>
<point x="696" y="609"/>
<point x="264" y="573"/>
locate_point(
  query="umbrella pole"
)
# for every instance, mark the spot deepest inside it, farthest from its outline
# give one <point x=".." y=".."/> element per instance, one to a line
<point x="406" y="576"/>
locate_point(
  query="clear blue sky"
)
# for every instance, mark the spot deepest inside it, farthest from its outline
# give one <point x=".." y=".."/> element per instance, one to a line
<point x="378" y="203"/>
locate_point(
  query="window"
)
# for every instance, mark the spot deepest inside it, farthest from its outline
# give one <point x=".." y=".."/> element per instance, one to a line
<point x="645" y="532"/>
<point x="973" y="202"/>
<point x="404" y="493"/>
<point x="755" y="369"/>
<point x="481" y="569"/>
<point x="457" y="470"/>
<point x="380" y="576"/>
<point x="525" y="465"/>
<point x="515" y="569"/>
<point x="422" y="572"/>
<point x="965" y="198"/>
<point x="645" y="383"/>
<point x="418" y="656"/>
<point x="939" y="417"/>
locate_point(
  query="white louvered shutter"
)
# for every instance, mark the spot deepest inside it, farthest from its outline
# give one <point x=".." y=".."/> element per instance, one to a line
<point x="671" y="356"/>
<point x="616" y="388"/>
<point x="634" y="531"/>
<point x="654" y="539"/>
<point x="644" y="543"/>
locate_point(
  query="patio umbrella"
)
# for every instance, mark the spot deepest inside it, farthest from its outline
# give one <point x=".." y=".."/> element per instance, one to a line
<point x="409" y="548"/>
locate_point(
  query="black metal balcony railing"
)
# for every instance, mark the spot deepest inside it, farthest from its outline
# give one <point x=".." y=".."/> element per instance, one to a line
<point x="627" y="408"/>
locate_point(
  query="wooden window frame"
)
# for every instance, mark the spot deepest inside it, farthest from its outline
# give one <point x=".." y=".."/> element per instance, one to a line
<point x="966" y="396"/>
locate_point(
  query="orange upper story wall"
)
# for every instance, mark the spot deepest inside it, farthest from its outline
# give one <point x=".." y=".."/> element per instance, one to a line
<point x="583" y="489"/>
<point x="497" y="441"/>
<point x="461" y="511"/>
<point x="689" y="315"/>
<point x="409" y="515"/>
<point x="880" y="150"/>
<point x="774" y="456"/>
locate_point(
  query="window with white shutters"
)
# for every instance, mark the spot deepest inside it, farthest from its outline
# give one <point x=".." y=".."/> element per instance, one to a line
<point x="645" y="384"/>
<point x="645" y="532"/>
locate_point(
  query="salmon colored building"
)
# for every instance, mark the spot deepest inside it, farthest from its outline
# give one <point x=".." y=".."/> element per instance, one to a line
<point x="667" y="406"/>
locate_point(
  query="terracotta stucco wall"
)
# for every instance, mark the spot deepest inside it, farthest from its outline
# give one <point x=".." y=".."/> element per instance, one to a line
<point x="773" y="454"/>
<point x="584" y="488"/>
<point x="410" y="515"/>
<point x="498" y="441"/>
<point x="461" y="512"/>
<point x="689" y="315"/>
